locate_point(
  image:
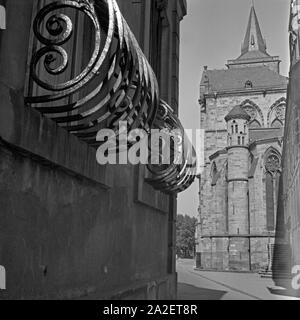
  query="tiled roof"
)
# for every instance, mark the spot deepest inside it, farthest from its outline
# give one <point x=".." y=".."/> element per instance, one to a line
<point x="236" y="78"/>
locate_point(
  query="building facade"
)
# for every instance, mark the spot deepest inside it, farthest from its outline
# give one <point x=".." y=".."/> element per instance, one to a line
<point x="70" y="228"/>
<point x="243" y="115"/>
<point x="287" y="250"/>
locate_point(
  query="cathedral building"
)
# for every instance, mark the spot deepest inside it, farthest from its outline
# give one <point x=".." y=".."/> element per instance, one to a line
<point x="243" y="115"/>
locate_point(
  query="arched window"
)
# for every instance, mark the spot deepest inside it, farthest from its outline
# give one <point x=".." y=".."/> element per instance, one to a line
<point x="273" y="171"/>
<point x="214" y="174"/>
<point x="277" y="124"/>
<point x="277" y="111"/>
<point x="248" y="84"/>
<point x="270" y="202"/>
<point x="254" y="111"/>
<point x="254" y="124"/>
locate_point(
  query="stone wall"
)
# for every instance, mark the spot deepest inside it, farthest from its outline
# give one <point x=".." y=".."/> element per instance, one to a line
<point x="219" y="249"/>
<point x="69" y="228"/>
<point x="288" y="226"/>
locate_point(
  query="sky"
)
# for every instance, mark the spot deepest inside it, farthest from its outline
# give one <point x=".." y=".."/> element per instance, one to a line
<point x="212" y="33"/>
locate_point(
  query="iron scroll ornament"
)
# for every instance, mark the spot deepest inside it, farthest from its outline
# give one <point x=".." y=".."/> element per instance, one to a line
<point x="116" y="85"/>
<point x="122" y="84"/>
<point x="181" y="173"/>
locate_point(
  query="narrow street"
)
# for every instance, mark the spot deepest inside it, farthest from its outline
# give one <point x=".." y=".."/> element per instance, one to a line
<point x="199" y="285"/>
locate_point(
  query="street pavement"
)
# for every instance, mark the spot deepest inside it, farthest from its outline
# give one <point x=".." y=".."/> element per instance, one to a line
<point x="201" y="285"/>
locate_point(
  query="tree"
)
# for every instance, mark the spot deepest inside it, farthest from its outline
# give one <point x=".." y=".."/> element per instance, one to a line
<point x="185" y="236"/>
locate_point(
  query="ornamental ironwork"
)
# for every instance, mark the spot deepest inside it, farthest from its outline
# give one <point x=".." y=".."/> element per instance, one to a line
<point x="178" y="176"/>
<point x="121" y="83"/>
<point x="116" y="85"/>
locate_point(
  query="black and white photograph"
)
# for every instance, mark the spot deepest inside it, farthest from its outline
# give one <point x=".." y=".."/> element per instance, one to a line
<point x="149" y="153"/>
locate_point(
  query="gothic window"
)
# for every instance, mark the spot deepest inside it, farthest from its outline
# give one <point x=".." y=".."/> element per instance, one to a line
<point x="273" y="162"/>
<point x="254" y="124"/>
<point x="280" y="112"/>
<point x="251" y="111"/>
<point x="273" y="169"/>
<point x="254" y="111"/>
<point x="277" y="124"/>
<point x="277" y="113"/>
<point x="270" y="202"/>
<point x="239" y="140"/>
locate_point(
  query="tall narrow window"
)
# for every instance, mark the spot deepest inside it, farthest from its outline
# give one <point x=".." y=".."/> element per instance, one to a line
<point x="270" y="202"/>
<point x="272" y="165"/>
<point x="214" y="174"/>
<point x="248" y="85"/>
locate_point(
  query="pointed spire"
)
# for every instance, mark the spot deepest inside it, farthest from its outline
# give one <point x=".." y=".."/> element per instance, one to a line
<point x="253" y="40"/>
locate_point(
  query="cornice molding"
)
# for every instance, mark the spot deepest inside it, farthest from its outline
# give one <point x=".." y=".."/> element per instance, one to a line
<point x="244" y="92"/>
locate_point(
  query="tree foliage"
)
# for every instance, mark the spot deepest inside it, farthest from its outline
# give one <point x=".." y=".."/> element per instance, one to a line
<point x="185" y="233"/>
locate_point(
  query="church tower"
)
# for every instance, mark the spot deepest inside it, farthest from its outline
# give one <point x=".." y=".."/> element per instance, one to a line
<point x="254" y="48"/>
<point x="238" y="185"/>
<point x="243" y="115"/>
